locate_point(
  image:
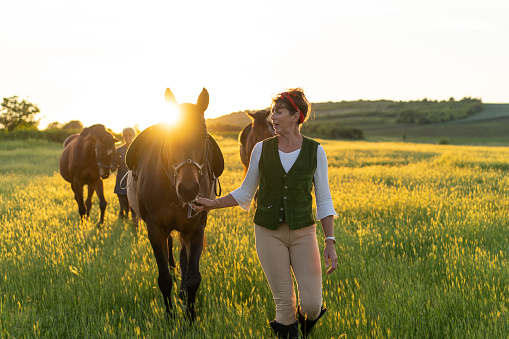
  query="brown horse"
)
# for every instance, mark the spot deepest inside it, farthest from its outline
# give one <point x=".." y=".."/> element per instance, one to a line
<point x="259" y="129"/>
<point x="86" y="160"/>
<point x="170" y="168"/>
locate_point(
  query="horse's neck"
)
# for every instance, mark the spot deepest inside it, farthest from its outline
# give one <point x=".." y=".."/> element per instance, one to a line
<point x="85" y="149"/>
<point x="261" y="131"/>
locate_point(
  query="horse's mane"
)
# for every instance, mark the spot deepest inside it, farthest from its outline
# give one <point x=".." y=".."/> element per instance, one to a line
<point x="97" y="130"/>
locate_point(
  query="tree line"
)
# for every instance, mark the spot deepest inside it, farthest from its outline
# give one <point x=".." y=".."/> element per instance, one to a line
<point x="18" y="121"/>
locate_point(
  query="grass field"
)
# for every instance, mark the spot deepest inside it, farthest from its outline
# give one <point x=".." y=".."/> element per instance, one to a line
<point x="422" y="237"/>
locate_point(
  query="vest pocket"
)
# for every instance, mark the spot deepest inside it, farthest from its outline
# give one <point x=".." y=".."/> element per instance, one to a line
<point x="267" y="209"/>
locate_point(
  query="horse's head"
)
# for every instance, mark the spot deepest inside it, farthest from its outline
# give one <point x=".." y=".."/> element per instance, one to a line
<point x="184" y="151"/>
<point x="262" y="128"/>
<point x="104" y="147"/>
<point x="105" y="154"/>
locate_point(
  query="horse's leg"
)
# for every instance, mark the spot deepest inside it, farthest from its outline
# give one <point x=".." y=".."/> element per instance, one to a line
<point x="183" y="268"/>
<point x="102" y="201"/>
<point x="89" y="199"/>
<point x="159" y="242"/>
<point x="78" y="195"/>
<point x="192" y="279"/>
<point x="171" y="260"/>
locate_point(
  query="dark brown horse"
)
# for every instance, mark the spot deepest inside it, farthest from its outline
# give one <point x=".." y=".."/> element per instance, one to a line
<point x="86" y="160"/>
<point x="259" y="129"/>
<point x="170" y="168"/>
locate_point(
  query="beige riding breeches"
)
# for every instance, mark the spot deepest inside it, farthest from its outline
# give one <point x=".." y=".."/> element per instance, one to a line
<point x="282" y="251"/>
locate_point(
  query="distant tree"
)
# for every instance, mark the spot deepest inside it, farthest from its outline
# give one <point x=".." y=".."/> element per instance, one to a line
<point x="16" y="113"/>
<point x="54" y="125"/>
<point x="74" y="125"/>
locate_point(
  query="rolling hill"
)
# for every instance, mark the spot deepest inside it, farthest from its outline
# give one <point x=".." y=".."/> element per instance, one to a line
<point x="378" y="123"/>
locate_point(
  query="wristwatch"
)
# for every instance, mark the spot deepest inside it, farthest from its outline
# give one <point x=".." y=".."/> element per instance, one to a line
<point x="331" y="238"/>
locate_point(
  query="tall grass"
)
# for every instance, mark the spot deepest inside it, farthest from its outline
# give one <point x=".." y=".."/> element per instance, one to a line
<point x="421" y="237"/>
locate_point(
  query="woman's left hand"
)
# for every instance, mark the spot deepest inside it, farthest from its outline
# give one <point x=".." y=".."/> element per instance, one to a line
<point x="330" y="257"/>
<point x="204" y="204"/>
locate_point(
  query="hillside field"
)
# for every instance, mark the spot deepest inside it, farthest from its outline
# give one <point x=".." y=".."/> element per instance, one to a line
<point x="489" y="127"/>
<point x="422" y="238"/>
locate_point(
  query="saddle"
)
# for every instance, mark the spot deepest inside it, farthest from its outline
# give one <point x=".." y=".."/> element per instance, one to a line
<point x="157" y="133"/>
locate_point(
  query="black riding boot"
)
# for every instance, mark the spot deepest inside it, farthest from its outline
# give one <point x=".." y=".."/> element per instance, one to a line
<point x="305" y="324"/>
<point x="285" y="331"/>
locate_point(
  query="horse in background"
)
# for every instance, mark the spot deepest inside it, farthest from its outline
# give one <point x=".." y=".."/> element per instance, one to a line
<point x="87" y="160"/>
<point x="170" y="167"/>
<point x="259" y="129"/>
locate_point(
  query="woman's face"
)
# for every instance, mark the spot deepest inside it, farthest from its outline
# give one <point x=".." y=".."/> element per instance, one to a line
<point x="128" y="138"/>
<point x="282" y="119"/>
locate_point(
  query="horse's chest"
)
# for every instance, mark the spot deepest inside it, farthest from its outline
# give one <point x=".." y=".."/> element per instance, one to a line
<point x="89" y="176"/>
<point x="173" y="218"/>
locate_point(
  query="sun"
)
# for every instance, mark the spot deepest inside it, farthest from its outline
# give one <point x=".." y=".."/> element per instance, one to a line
<point x="165" y="113"/>
<point x="171" y="115"/>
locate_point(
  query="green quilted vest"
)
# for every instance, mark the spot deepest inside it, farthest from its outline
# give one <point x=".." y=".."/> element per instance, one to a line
<point x="286" y="196"/>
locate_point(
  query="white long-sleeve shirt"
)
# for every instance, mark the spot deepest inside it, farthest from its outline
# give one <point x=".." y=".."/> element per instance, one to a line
<point x="245" y="193"/>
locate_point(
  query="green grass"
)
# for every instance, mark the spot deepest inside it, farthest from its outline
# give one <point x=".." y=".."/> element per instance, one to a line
<point x="421" y="237"/>
<point x="490" y="132"/>
<point x="491" y="111"/>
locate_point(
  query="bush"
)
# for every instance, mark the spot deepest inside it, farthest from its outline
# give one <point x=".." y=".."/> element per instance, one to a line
<point x="407" y="116"/>
<point x="216" y="128"/>
<point x="328" y="130"/>
<point x="54" y="135"/>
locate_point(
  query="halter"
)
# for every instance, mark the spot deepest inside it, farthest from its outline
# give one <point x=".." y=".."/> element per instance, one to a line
<point x="111" y="167"/>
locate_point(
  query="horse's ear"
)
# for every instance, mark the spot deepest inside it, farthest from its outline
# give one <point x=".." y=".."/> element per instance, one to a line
<point x="169" y="97"/>
<point x="85" y="131"/>
<point x="251" y="115"/>
<point x="266" y="112"/>
<point x="203" y="100"/>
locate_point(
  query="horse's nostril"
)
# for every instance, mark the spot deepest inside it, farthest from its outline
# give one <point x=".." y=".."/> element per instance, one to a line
<point x="188" y="193"/>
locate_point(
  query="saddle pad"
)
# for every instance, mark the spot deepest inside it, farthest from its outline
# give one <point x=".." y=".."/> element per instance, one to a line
<point x="142" y="142"/>
<point x="216" y="157"/>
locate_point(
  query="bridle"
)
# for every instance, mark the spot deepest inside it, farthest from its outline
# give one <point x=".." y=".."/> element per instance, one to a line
<point x="188" y="161"/>
<point x="176" y="168"/>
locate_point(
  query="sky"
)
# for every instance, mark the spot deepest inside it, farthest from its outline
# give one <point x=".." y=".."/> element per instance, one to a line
<point x="111" y="61"/>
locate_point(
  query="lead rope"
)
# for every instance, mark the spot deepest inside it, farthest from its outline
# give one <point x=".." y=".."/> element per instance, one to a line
<point x="121" y="180"/>
<point x="190" y="212"/>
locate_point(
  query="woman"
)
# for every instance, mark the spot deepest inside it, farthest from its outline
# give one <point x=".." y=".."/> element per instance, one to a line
<point x="120" y="190"/>
<point x="284" y="169"/>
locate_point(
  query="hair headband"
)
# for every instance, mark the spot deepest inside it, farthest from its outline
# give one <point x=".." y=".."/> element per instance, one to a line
<point x="287" y="95"/>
